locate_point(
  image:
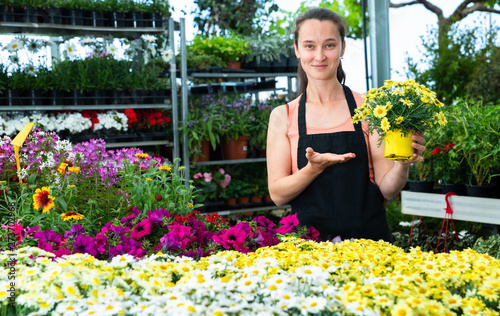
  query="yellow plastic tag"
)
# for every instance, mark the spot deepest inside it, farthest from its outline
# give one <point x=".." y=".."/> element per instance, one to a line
<point x="18" y="141"/>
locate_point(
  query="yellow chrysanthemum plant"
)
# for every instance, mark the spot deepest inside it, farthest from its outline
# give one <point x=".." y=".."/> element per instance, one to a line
<point x="399" y="109"/>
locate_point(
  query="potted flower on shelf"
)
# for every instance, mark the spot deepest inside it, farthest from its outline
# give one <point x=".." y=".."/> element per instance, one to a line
<point x="202" y="127"/>
<point x="476" y="137"/>
<point x="264" y="50"/>
<point x="230" y="49"/>
<point x="237" y="125"/>
<point x="210" y="183"/>
<point x="258" y="131"/>
<point x="397" y="110"/>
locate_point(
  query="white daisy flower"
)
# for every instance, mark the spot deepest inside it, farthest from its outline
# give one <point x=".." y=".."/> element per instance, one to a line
<point x="148" y="38"/>
<point x="88" y="41"/>
<point x="111" y="49"/>
<point x="34" y="45"/>
<point x="167" y="55"/>
<point x="14" y="45"/>
<point x="14" y="59"/>
<point x="71" y="49"/>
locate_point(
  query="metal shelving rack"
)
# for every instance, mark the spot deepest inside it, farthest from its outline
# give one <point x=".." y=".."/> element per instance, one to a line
<point x="43" y="29"/>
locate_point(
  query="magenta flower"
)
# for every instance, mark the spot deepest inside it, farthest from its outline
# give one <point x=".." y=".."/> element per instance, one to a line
<point x="171" y="242"/>
<point x="118" y="230"/>
<point x="137" y="252"/>
<point x="101" y="242"/>
<point x="42" y="244"/>
<point x="128" y="219"/>
<point x="264" y="222"/>
<point x="142" y="228"/>
<point x="312" y="234"/>
<point x="84" y="244"/>
<point x="288" y="224"/>
<point x="76" y="230"/>
<point x="48" y="236"/>
<point x="266" y="239"/>
<point x="233" y="238"/>
<point x="180" y="230"/>
<point x="156" y="216"/>
<point x="118" y="250"/>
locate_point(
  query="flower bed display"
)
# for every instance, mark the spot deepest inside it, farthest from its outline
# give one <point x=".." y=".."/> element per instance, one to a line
<point x="358" y="277"/>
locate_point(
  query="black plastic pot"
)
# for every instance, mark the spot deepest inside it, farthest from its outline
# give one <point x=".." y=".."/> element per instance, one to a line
<point x="73" y="17"/>
<point x="75" y="97"/>
<point x="116" y="96"/>
<point x="134" y="19"/>
<point x="458" y="189"/>
<point x="96" y="97"/>
<point x="422" y="186"/>
<point x="56" y="97"/>
<point x="93" y="18"/>
<point x="33" y="97"/>
<point x="55" y="16"/>
<point x="10" y="97"/>
<point x="280" y="65"/>
<point x="153" y="20"/>
<point x="7" y="13"/>
<point x="116" y="19"/>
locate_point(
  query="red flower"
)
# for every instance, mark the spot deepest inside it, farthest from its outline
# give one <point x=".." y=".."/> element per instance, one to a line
<point x="131" y="116"/>
<point x="436" y="151"/>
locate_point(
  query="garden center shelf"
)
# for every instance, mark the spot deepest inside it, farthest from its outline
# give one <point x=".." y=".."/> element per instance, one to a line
<point x="168" y="27"/>
<point x="227" y="162"/>
<point x="75" y="30"/>
<point x="254" y="209"/>
<point x="83" y="107"/>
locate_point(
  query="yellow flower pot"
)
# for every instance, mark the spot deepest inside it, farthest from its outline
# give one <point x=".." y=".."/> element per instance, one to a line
<point x="397" y="146"/>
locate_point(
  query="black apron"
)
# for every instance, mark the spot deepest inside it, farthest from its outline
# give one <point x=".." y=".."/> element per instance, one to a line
<point x="341" y="201"/>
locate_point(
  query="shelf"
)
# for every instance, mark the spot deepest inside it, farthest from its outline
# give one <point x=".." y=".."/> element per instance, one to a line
<point x="242" y="75"/>
<point x="139" y="143"/>
<point x="83" y="107"/>
<point x="253" y="209"/>
<point x="228" y="162"/>
<point x="63" y="29"/>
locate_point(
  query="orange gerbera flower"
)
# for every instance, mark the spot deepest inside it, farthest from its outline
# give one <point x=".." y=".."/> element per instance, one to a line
<point x="42" y="199"/>
<point x="71" y="215"/>
<point x="140" y="155"/>
<point x="62" y="168"/>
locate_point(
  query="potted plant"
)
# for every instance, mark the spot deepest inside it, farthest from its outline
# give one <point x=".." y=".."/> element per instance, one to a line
<point x="258" y="131"/>
<point x="209" y="183"/>
<point x="477" y="137"/>
<point x="237" y="125"/>
<point x="230" y="49"/>
<point x="264" y="50"/>
<point x="202" y="126"/>
<point x="397" y="110"/>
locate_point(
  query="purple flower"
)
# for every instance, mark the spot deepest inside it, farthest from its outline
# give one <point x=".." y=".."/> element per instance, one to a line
<point x="101" y="243"/>
<point x="312" y="234"/>
<point x="233" y="238"/>
<point x="118" y="250"/>
<point x="179" y="230"/>
<point x="128" y="219"/>
<point x="336" y="240"/>
<point x="76" y="230"/>
<point x="156" y="216"/>
<point x="137" y="252"/>
<point x="264" y="222"/>
<point x="118" y="230"/>
<point x="48" y="236"/>
<point x="84" y="244"/>
<point x="171" y="242"/>
<point x="266" y="239"/>
<point x="42" y="244"/>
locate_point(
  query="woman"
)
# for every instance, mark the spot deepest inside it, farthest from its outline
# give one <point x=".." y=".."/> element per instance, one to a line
<point x="330" y="171"/>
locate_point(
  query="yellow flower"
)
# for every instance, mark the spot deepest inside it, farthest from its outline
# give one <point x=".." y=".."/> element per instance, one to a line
<point x="74" y="169"/>
<point x="407" y="102"/>
<point x="380" y="111"/>
<point x="441" y="118"/>
<point x="385" y="125"/>
<point x="71" y="215"/>
<point x="388" y="105"/>
<point x="62" y="167"/>
<point x="181" y="168"/>
<point x="42" y="199"/>
<point x="399" y="120"/>
<point x="140" y="155"/>
<point x="71" y="185"/>
<point x="164" y="168"/>
<point x="190" y="205"/>
<point x="149" y="179"/>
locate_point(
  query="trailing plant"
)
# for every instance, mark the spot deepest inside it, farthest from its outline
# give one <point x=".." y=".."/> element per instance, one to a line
<point x="490" y="246"/>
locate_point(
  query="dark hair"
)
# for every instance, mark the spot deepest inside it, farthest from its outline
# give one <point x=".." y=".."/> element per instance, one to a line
<point x="321" y="14"/>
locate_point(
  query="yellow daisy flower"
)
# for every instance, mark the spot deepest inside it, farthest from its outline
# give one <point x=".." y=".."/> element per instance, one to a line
<point x="380" y="111"/>
<point x="385" y="125"/>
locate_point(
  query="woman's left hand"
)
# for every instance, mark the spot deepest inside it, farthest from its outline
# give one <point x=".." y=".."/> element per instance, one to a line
<point x="418" y="145"/>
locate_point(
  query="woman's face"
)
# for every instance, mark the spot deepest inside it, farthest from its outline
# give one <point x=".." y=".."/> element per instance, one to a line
<point x="319" y="47"/>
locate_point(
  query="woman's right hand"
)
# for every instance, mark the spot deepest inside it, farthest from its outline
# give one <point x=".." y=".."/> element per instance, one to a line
<point x="321" y="161"/>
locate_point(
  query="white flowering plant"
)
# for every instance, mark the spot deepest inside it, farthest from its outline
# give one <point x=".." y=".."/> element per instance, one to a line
<point x="405" y="106"/>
